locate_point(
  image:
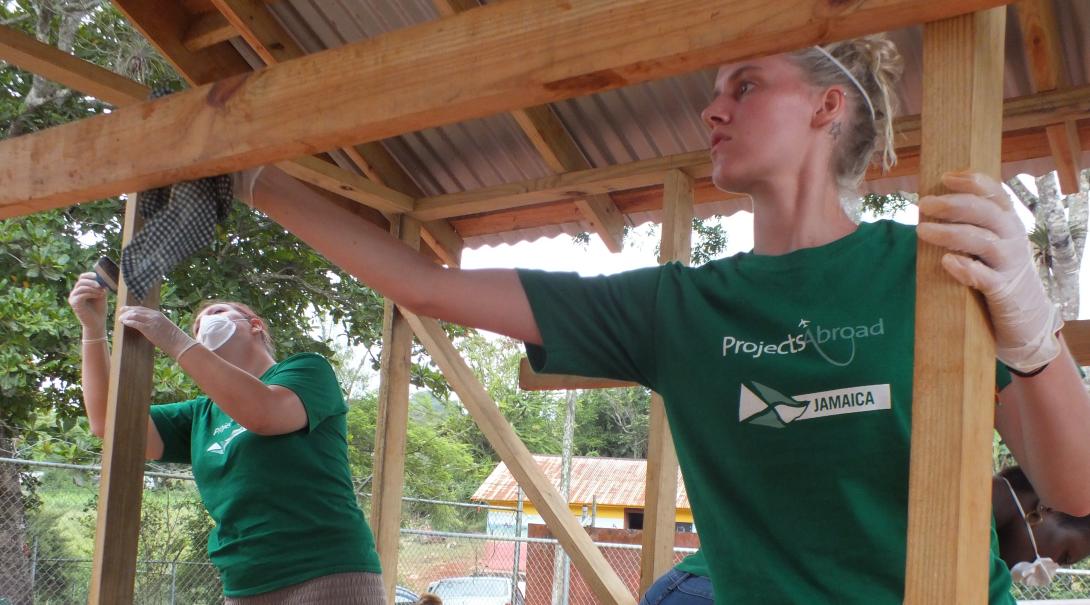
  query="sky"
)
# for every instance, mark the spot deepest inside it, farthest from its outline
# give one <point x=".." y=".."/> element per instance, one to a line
<point x="561" y="253"/>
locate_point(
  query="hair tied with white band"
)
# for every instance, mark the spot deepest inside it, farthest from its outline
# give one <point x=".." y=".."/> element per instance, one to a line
<point x="859" y="86"/>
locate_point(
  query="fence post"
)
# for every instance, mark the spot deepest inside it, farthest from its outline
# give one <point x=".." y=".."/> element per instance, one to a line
<point x="173" y="581"/>
<point x="518" y="546"/>
<point x="33" y="567"/>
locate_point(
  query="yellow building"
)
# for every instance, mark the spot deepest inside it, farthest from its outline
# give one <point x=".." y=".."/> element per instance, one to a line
<point x="605" y="492"/>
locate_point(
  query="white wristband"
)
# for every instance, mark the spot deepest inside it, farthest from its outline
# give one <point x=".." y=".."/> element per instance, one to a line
<point x="192" y="343"/>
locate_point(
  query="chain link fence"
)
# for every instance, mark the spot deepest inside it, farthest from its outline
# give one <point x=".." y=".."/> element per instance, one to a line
<point x="47" y="528"/>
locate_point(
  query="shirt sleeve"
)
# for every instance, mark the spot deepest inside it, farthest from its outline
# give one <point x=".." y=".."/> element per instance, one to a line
<point x="602" y="327"/>
<point x="312" y="379"/>
<point x="174" y="421"/>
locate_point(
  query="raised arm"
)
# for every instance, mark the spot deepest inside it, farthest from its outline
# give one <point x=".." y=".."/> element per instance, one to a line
<point x="490" y="299"/>
<point x="88" y="301"/>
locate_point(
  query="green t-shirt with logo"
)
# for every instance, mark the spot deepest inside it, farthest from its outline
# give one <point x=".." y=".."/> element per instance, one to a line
<point x="284" y="505"/>
<point x="788" y="382"/>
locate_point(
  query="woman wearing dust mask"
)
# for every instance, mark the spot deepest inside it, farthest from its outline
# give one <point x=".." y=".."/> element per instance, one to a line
<point x="267" y="442"/>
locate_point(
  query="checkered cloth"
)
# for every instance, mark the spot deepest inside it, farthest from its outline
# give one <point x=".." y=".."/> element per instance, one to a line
<point x="180" y="220"/>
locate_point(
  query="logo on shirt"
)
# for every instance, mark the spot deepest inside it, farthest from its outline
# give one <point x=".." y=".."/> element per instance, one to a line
<point x="835" y="345"/>
<point x="762" y="405"/>
<point x="220" y="447"/>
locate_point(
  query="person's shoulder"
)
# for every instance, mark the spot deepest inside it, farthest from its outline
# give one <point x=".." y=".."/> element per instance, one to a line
<point x="302" y="361"/>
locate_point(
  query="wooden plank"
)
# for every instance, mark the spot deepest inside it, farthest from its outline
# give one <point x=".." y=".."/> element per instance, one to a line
<point x="1063" y="140"/>
<point x="58" y="66"/>
<point x="1041" y="39"/>
<point x="449" y="8"/>
<point x="121" y="485"/>
<point x="260" y="29"/>
<point x="1077" y="335"/>
<point x="529" y="380"/>
<point x="163" y="23"/>
<point x="954" y="375"/>
<point x="579" y="48"/>
<point x="207" y="29"/>
<point x="560" y="151"/>
<point x="660" y="509"/>
<point x="391" y="426"/>
<point x="274" y="44"/>
<point x="321" y="173"/>
<point x="597" y="573"/>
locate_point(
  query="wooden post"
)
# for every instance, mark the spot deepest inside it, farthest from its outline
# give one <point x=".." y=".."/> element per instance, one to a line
<point x="660" y="500"/>
<point x="603" y="581"/>
<point x="121" y="485"/>
<point x="954" y="381"/>
<point x="392" y="423"/>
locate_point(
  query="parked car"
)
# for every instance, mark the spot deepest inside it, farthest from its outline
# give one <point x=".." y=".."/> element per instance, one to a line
<point x="404" y="596"/>
<point x="477" y="590"/>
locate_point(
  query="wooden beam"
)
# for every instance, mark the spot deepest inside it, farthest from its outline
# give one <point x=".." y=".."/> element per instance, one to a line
<point x="1077" y="335"/>
<point x="660" y="509"/>
<point x="321" y="173"/>
<point x="391" y="425"/>
<point x="560" y="151"/>
<point x="68" y="70"/>
<point x="1041" y="39"/>
<point x="260" y="29"/>
<point x="449" y="8"/>
<point x="164" y="25"/>
<point x="1034" y="111"/>
<point x="579" y="48"/>
<point x="89" y="78"/>
<point x="274" y="44"/>
<point x="1063" y="140"/>
<point x="954" y="375"/>
<point x="603" y="581"/>
<point x="121" y="485"/>
<point x="207" y="29"/>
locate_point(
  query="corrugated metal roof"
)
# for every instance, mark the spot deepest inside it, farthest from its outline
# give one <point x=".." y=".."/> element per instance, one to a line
<point x="649" y="120"/>
<point x="605" y="481"/>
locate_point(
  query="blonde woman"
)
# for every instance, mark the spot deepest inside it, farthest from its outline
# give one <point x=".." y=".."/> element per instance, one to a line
<point x="786" y="371"/>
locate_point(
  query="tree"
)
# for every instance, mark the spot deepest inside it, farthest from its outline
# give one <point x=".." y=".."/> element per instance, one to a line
<point x="1058" y="236"/>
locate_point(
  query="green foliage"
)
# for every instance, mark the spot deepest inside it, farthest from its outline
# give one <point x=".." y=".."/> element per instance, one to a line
<point x="885" y="205"/>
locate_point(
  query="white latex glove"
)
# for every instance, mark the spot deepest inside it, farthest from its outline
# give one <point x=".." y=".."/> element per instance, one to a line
<point x="242" y="184"/>
<point x="983" y="224"/>
<point x="88" y="301"/>
<point x="158" y="329"/>
<point x="1038" y="573"/>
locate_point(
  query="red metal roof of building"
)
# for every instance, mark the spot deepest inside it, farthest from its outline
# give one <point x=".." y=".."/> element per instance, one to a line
<point x="605" y="481"/>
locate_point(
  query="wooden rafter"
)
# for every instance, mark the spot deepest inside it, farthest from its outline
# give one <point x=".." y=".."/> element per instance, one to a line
<point x="953" y="391"/>
<point x="25" y="52"/>
<point x="56" y="65"/>
<point x="207" y="29"/>
<point x="560" y="151"/>
<point x="274" y="44"/>
<point x="1041" y="39"/>
<point x="269" y="116"/>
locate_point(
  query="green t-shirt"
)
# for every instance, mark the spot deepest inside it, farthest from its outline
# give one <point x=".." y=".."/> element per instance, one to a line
<point x="284" y="506"/>
<point x="788" y="382"/>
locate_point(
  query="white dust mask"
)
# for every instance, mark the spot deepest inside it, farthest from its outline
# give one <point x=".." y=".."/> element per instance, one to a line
<point x="216" y="330"/>
<point x="1041" y="571"/>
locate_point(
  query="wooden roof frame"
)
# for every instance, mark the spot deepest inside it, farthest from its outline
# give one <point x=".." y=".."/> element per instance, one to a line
<point x="228" y="107"/>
